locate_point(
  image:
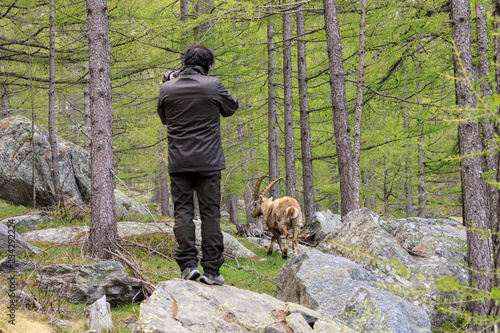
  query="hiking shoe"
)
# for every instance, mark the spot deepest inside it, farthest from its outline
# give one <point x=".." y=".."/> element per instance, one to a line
<point x="191" y="272"/>
<point x="212" y="280"/>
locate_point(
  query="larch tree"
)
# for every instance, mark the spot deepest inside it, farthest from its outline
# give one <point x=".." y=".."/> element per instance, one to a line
<point x="339" y="103"/>
<point x="52" y="131"/>
<point x="475" y="211"/>
<point x="495" y="228"/>
<point x="356" y="151"/>
<point x="103" y="236"/>
<point x="288" y="102"/>
<point x="305" y="131"/>
<point x="272" y="141"/>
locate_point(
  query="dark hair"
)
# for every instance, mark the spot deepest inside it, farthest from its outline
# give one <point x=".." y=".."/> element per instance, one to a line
<point x="199" y="55"/>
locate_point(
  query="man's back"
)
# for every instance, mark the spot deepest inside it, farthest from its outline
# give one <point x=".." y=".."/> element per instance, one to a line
<point x="190" y="106"/>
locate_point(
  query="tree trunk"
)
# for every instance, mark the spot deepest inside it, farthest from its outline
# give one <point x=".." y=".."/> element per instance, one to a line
<point x="271" y="113"/>
<point x="164" y="195"/>
<point x="103" y="232"/>
<point x="475" y="213"/>
<point x="495" y="227"/>
<point x="487" y="126"/>
<point x="52" y="134"/>
<point x="255" y="225"/>
<point x="339" y="104"/>
<point x="356" y="152"/>
<point x="5" y="103"/>
<point x="408" y="164"/>
<point x="87" y="126"/>
<point x="305" y="135"/>
<point x="288" y="103"/>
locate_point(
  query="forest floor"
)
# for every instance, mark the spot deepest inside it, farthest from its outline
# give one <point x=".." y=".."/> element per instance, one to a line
<point x="257" y="274"/>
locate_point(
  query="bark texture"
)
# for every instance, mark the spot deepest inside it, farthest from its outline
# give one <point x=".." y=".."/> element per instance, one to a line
<point x="5" y="103"/>
<point x="475" y="212"/>
<point x="339" y="104"/>
<point x="271" y="112"/>
<point x="495" y="228"/>
<point x="288" y="104"/>
<point x="52" y="131"/>
<point x="305" y="135"/>
<point x="103" y="232"/>
<point x="356" y="152"/>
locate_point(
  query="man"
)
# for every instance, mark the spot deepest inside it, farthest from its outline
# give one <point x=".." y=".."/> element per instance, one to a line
<point x="190" y="105"/>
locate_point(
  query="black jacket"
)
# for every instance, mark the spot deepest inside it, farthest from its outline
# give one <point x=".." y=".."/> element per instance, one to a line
<point x="190" y="106"/>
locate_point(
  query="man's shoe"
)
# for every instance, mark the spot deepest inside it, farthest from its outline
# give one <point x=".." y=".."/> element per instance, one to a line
<point x="191" y="272"/>
<point x="212" y="280"/>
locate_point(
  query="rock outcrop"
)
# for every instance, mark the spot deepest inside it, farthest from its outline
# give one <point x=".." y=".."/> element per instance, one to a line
<point x="189" y="306"/>
<point x="16" y="165"/>
<point x="431" y="248"/>
<point x="86" y="284"/>
<point x="339" y="288"/>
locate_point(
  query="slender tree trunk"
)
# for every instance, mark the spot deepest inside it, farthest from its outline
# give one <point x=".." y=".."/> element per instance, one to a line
<point x="305" y="135"/>
<point x="103" y="232"/>
<point x="164" y="195"/>
<point x="475" y="212"/>
<point x="271" y="113"/>
<point x="495" y="227"/>
<point x="5" y="103"/>
<point x="487" y="126"/>
<point x="422" y="186"/>
<point x="52" y="134"/>
<point x="356" y="152"/>
<point x="288" y="104"/>
<point x="184" y="10"/>
<point x="339" y="103"/>
<point x="87" y="126"/>
<point x="408" y="170"/>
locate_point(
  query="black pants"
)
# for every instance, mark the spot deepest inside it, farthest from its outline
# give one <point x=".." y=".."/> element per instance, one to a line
<point x="207" y="186"/>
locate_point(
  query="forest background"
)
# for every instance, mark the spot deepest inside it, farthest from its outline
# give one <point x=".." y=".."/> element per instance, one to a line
<point x="409" y="125"/>
<point x="391" y="100"/>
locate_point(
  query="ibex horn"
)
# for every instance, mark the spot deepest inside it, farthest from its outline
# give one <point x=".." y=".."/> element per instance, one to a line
<point x="270" y="186"/>
<point x="257" y="188"/>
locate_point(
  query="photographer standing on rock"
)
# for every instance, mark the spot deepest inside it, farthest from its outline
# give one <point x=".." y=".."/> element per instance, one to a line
<point x="190" y="105"/>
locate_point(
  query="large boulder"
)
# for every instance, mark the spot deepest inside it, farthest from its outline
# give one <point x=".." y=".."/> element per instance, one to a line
<point x="16" y="165"/>
<point x="189" y="306"/>
<point x="322" y="224"/>
<point x="404" y="253"/>
<point x="126" y="205"/>
<point x="339" y="288"/>
<point x="88" y="283"/>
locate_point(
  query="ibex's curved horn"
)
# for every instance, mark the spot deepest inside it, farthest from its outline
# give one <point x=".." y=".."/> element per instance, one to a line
<point x="265" y="192"/>
<point x="257" y="188"/>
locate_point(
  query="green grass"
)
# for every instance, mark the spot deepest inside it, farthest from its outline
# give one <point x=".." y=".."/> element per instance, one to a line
<point x="8" y="210"/>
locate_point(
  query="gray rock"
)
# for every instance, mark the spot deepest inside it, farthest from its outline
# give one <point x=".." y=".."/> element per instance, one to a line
<point x="9" y="264"/>
<point x="86" y="284"/>
<point x="175" y="307"/>
<point x="16" y="161"/>
<point x="63" y="235"/>
<point x="339" y="288"/>
<point x="126" y="205"/>
<point x="11" y="243"/>
<point x="322" y="224"/>
<point x="438" y="247"/>
<point x="28" y="221"/>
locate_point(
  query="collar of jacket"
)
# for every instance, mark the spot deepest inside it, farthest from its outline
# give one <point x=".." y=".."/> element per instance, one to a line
<point x="192" y="70"/>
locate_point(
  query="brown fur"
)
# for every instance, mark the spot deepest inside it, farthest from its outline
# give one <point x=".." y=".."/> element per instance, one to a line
<point x="280" y="215"/>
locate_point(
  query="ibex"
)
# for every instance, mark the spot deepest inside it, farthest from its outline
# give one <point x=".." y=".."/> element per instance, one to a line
<point x="280" y="215"/>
